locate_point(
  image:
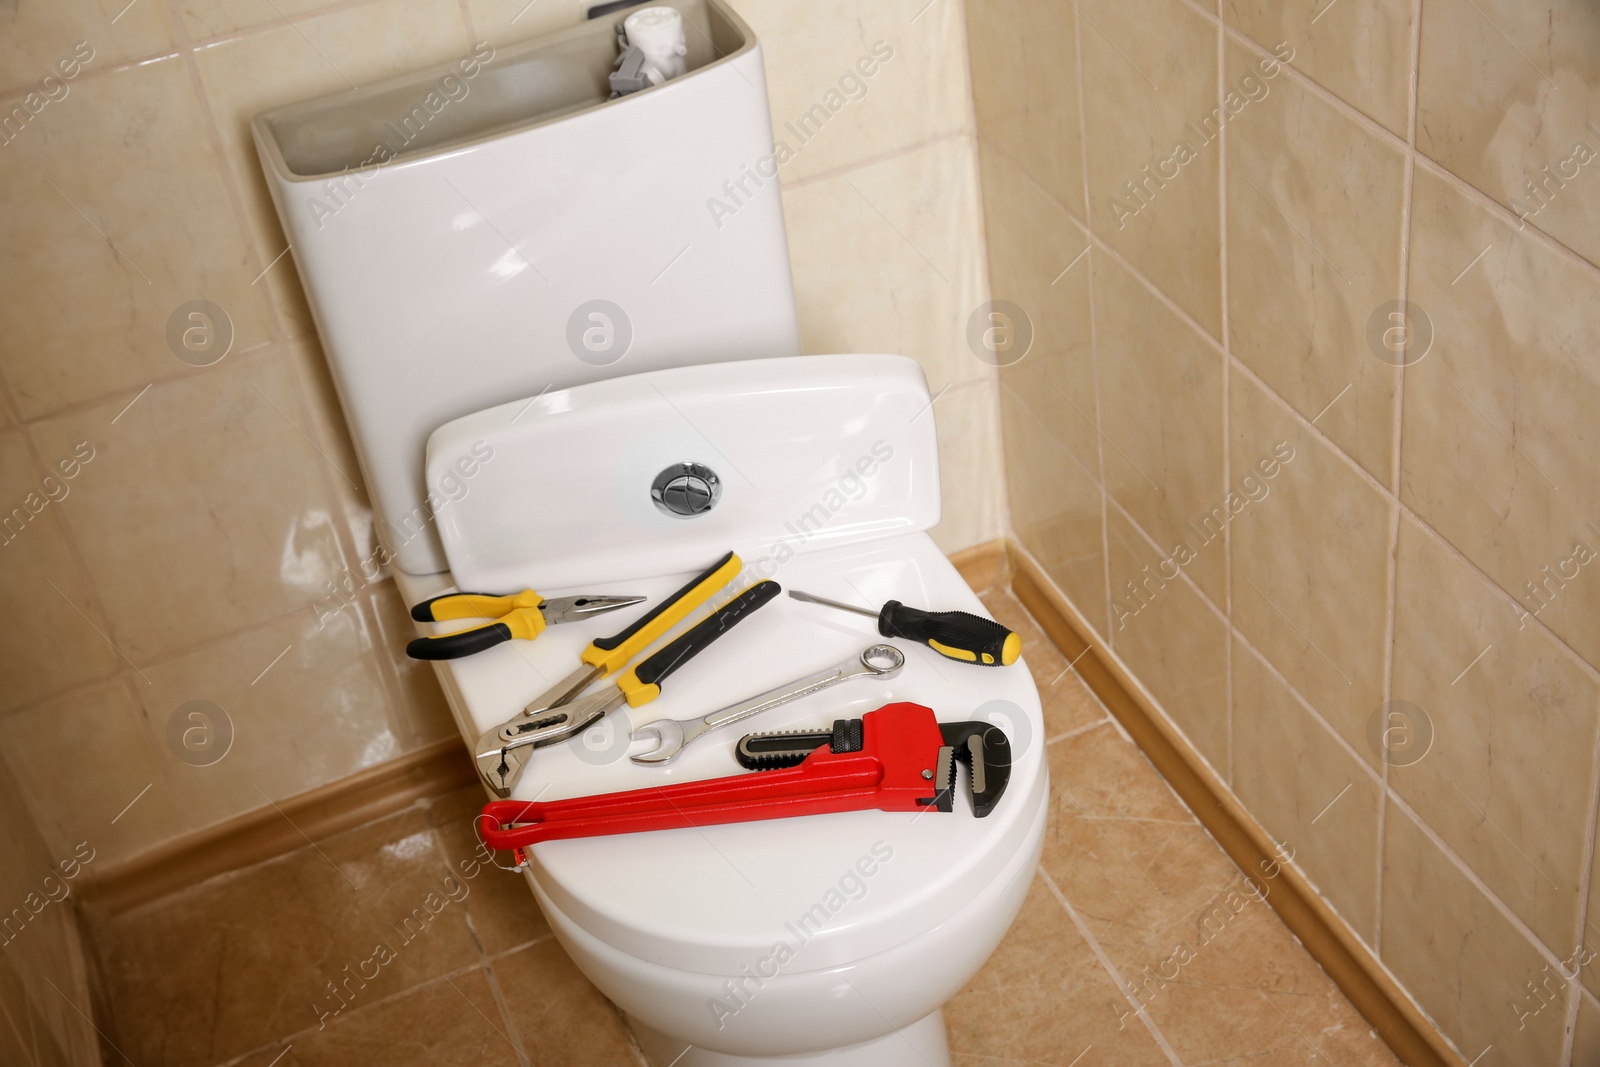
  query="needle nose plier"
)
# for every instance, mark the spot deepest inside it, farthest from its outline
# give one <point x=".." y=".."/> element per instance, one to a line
<point x="521" y="615"/>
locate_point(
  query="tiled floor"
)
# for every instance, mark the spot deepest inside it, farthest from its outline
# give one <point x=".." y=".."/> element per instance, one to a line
<point x="279" y="965"/>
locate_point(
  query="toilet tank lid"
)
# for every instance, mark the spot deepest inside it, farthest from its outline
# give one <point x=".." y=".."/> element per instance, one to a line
<point x="806" y="452"/>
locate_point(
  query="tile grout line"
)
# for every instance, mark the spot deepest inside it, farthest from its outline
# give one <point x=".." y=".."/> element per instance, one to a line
<point x="1585" y="887"/>
<point x="506" y="953"/>
<point x="1545" y="953"/>
<point x="91" y="589"/>
<point x="393" y="634"/>
<point x="1374" y="777"/>
<point x="1205" y="601"/>
<point x="844" y="169"/>
<point x="184" y="43"/>
<point x="485" y="959"/>
<point x="1306" y="426"/>
<point x="78" y="407"/>
<point x="438" y="979"/>
<point x="1385" y="792"/>
<point x="1094" y="343"/>
<point x="975" y="152"/>
<point x="281" y="344"/>
<point x="1398" y="143"/>
<point x="282" y="341"/>
<point x="466" y="20"/>
<point x="1227" y="398"/>
<point x="1306" y="706"/>
<point x="1155" y="546"/>
<point x="1110" y="968"/>
<point x="1585" y="871"/>
<point x="502" y="1004"/>
<point x="1407" y="511"/>
<point x="214" y="140"/>
<point x="369" y="592"/>
<point x="1396" y="445"/>
<point x="1072" y="457"/>
<point x="970" y="122"/>
<point x="8" y="401"/>
<point x="1079" y="731"/>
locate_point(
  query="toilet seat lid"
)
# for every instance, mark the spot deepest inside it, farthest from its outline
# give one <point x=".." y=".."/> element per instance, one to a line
<point x="804" y="893"/>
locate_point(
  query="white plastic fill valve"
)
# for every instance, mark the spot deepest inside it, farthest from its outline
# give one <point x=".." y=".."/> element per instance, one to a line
<point x="658" y="33"/>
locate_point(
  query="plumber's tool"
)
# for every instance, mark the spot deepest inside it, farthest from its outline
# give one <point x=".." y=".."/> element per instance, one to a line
<point x="521" y="615"/>
<point x="957" y="634"/>
<point x="982" y="746"/>
<point x="877" y="661"/>
<point x="607" y="655"/>
<point x="898" y="758"/>
<point x="502" y="752"/>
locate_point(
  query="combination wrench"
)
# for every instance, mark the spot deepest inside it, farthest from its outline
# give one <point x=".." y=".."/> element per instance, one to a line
<point x="672" y="735"/>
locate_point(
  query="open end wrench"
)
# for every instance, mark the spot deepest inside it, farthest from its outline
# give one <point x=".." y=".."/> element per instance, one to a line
<point x="876" y="661"/>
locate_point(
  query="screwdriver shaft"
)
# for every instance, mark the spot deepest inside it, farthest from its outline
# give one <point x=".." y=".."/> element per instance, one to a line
<point x="811" y="599"/>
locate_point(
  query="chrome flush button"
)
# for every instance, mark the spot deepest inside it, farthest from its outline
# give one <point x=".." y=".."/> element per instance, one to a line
<point x="685" y="490"/>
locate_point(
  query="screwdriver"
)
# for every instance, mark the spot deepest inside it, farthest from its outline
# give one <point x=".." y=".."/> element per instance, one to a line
<point x="959" y="635"/>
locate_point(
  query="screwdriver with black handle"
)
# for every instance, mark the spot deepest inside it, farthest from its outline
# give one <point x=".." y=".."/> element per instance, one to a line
<point x="958" y="635"/>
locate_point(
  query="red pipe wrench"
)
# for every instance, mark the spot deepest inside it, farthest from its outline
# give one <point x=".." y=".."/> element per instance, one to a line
<point x="898" y="758"/>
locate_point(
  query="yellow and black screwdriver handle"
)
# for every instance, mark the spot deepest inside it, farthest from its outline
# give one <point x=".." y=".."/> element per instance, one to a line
<point x="960" y="635"/>
<point x="642" y="684"/>
<point x="608" y="654"/>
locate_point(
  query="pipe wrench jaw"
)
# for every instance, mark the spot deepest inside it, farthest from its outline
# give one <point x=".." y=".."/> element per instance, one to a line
<point x="914" y="756"/>
<point x="985" y="750"/>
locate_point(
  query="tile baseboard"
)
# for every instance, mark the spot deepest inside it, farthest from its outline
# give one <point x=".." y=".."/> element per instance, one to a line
<point x="267" y="833"/>
<point x="1352" y="966"/>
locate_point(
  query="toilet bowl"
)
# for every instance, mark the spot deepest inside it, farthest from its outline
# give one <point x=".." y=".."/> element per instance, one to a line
<point x="681" y="928"/>
<point x="832" y="938"/>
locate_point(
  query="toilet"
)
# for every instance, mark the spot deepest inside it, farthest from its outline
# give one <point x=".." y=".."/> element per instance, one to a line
<point x="526" y="337"/>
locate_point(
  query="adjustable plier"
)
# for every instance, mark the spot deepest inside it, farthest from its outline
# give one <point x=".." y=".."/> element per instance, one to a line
<point x="503" y="750"/>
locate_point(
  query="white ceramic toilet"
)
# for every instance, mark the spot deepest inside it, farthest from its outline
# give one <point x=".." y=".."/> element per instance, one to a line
<point x="502" y="457"/>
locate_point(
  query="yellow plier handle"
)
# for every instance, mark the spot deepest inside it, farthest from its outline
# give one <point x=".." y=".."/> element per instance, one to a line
<point x="475" y="606"/>
<point x="610" y="654"/>
<point x="517" y="616"/>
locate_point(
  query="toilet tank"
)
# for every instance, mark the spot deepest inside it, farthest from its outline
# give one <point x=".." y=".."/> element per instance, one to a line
<point x="801" y="455"/>
<point x="496" y="227"/>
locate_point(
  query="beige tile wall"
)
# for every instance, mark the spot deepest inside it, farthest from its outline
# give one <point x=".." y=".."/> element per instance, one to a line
<point x="44" y="984"/>
<point x="208" y="544"/>
<point x="1276" y="530"/>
